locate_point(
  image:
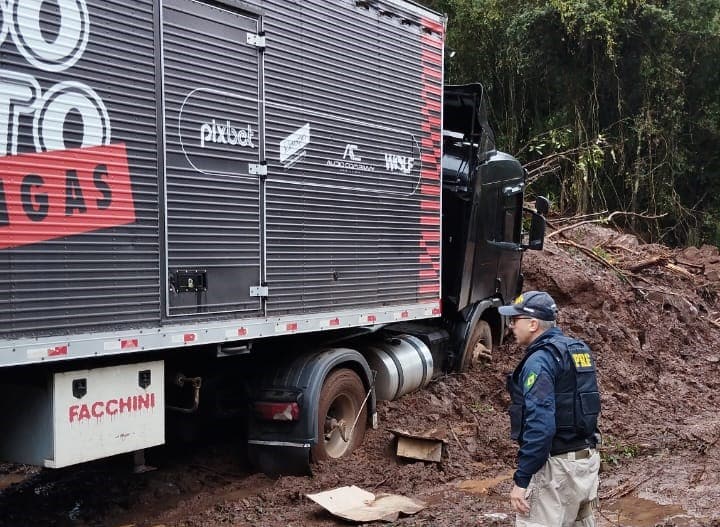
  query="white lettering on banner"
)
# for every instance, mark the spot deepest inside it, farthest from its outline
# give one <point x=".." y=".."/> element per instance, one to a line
<point x="350" y="161"/>
<point x="226" y="134"/>
<point x="57" y="103"/>
<point x="3" y="21"/>
<point x="395" y="163"/>
<point x="350" y="153"/>
<point x="294" y="143"/>
<point x="20" y="94"/>
<point x="348" y="165"/>
<point x="61" y="52"/>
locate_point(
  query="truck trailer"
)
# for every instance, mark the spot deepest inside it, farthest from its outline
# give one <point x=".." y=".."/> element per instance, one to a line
<point x="265" y="210"/>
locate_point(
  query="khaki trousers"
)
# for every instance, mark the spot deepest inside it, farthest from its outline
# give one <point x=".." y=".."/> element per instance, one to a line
<point x="563" y="493"/>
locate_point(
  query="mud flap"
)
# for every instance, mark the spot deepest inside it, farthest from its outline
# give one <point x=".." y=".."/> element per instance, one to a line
<point x="280" y="459"/>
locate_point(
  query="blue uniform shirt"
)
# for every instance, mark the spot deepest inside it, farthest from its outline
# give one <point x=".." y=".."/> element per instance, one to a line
<point x="537" y="378"/>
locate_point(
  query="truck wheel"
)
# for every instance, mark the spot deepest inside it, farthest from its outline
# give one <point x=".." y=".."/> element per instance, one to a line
<point x="341" y="397"/>
<point x="478" y="347"/>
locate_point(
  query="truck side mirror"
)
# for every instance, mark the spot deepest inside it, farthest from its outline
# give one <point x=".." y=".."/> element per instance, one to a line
<point x="536" y="236"/>
<point x="542" y="205"/>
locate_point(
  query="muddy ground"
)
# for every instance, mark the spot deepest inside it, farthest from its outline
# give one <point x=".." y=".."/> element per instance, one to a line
<point x="651" y="315"/>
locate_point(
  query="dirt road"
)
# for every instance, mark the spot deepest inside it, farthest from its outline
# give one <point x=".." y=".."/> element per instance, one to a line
<point x="655" y="333"/>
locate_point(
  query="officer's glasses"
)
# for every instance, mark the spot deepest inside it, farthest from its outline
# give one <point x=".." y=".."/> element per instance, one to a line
<point x="513" y="319"/>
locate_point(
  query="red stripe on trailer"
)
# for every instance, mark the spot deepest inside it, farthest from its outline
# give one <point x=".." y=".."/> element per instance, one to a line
<point x="430" y="142"/>
<point x="335" y="321"/>
<point x="429" y="205"/>
<point x="432" y="72"/>
<point x="431" y="106"/>
<point x="429" y="220"/>
<point x="372" y="318"/>
<point x="129" y="344"/>
<point x="430" y="190"/>
<point x="432" y="57"/>
<point x="291" y="326"/>
<point x="189" y="337"/>
<point x="432" y="24"/>
<point x="241" y="332"/>
<point x="429" y="288"/>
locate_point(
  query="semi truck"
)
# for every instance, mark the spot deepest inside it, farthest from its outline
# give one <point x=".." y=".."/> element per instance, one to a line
<point x="268" y="211"/>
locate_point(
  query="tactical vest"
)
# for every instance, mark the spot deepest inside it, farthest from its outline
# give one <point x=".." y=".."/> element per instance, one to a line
<point x="577" y="399"/>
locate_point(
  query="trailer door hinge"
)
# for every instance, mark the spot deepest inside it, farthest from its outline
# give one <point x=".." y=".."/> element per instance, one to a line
<point x="257" y="40"/>
<point x="259" y="169"/>
<point x="259" y="290"/>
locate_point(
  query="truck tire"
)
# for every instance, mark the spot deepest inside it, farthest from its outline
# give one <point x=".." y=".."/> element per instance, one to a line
<point x="477" y="348"/>
<point x="341" y="399"/>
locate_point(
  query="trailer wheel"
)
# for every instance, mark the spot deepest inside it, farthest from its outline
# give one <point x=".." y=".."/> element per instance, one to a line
<point x="478" y="347"/>
<point x="340" y="402"/>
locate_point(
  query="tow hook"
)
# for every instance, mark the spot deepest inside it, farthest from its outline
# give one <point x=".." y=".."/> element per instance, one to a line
<point x="196" y="383"/>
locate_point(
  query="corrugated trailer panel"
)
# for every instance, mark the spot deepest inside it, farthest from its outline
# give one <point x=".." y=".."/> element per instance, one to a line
<point x="165" y="157"/>
<point x="353" y="178"/>
<point x="211" y="83"/>
<point x="79" y="242"/>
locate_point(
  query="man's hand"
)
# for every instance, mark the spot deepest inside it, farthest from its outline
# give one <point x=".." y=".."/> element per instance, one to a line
<point x="518" y="501"/>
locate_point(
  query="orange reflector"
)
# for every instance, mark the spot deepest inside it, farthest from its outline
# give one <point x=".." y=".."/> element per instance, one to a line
<point x="272" y="411"/>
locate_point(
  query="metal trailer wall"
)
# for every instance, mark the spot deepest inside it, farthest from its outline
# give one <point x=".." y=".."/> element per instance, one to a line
<point x="130" y="192"/>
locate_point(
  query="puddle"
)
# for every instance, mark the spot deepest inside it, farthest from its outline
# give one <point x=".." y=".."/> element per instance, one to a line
<point x="631" y="511"/>
<point x="482" y="486"/>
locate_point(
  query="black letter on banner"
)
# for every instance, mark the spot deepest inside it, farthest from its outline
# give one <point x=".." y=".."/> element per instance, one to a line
<point x="40" y="210"/>
<point x="74" y="200"/>
<point x="102" y="186"/>
<point x="4" y="219"/>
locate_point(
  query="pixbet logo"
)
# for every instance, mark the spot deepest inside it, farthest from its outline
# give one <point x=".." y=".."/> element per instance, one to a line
<point x="20" y="93"/>
<point x="226" y="134"/>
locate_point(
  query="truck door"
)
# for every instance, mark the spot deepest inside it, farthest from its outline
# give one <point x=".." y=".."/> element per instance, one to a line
<point x="508" y="225"/>
<point x="213" y="130"/>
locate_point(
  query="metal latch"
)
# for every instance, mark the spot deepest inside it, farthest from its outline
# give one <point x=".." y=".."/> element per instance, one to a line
<point x="257" y="40"/>
<point x="259" y="290"/>
<point x="189" y="281"/>
<point x="259" y="169"/>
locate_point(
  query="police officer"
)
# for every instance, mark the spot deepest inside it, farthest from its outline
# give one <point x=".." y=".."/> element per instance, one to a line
<point x="554" y="410"/>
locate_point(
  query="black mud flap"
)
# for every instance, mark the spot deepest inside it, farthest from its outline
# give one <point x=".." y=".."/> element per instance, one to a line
<point x="277" y="460"/>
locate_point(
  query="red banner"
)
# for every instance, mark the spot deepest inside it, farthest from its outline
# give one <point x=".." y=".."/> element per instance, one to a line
<point x="60" y="193"/>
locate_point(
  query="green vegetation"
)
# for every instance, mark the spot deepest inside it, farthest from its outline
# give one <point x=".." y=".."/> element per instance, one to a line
<point x="611" y="104"/>
<point x="614" y="452"/>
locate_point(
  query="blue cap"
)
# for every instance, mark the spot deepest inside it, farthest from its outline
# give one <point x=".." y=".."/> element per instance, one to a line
<point x="535" y="304"/>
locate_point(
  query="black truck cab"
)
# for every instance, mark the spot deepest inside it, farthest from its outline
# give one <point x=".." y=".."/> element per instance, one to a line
<point x="482" y="206"/>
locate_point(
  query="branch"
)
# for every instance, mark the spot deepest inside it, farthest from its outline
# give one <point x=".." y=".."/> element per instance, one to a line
<point x="595" y="257"/>
<point x="606" y="220"/>
<point x="646" y="263"/>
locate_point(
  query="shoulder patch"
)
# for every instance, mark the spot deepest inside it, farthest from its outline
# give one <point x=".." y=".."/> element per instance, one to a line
<point x="583" y="361"/>
<point x="530" y="380"/>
